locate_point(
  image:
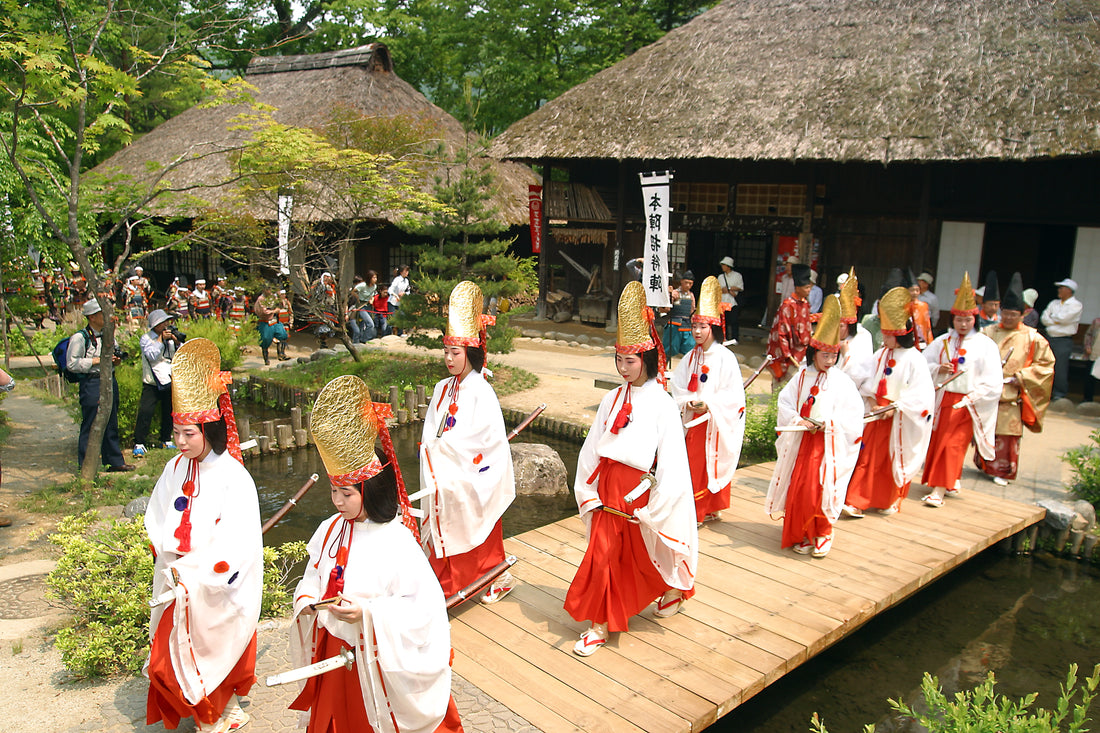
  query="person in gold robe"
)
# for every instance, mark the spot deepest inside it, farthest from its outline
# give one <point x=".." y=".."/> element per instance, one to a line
<point x="1028" y="366"/>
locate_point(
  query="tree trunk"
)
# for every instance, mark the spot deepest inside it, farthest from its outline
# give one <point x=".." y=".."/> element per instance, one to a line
<point x="346" y="262"/>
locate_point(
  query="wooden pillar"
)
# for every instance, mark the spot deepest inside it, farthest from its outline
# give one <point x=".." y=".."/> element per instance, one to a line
<point x="296" y="418"/>
<point x="544" y="265"/>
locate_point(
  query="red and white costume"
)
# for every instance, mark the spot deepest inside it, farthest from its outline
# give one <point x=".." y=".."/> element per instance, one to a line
<point x="627" y="566"/>
<point x="713" y="377"/>
<point x="812" y="469"/>
<point x="402" y="644"/>
<point x="203" y="643"/>
<point x="468" y="474"/>
<point x="894" y="446"/>
<point x="966" y="408"/>
<point x="857" y="357"/>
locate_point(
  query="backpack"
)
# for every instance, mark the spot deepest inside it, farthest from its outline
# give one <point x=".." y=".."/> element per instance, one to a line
<point x="61" y="356"/>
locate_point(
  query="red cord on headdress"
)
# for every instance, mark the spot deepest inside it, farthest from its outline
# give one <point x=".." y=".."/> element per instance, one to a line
<point x="381" y="409"/>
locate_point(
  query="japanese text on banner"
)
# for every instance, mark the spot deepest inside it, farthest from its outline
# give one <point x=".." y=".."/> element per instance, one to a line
<point x="534" y="204"/>
<point x="655" y="200"/>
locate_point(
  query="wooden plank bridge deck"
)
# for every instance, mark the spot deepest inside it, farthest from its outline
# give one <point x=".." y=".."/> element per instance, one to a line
<point x="758" y="612"/>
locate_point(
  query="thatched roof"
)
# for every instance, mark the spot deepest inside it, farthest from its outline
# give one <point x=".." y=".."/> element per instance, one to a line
<point x="847" y="80"/>
<point x="304" y="90"/>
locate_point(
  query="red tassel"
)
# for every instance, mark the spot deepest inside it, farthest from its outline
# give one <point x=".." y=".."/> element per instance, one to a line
<point x="622" y="418"/>
<point x="693" y="383"/>
<point x="183" y="532"/>
<point x="880" y="393"/>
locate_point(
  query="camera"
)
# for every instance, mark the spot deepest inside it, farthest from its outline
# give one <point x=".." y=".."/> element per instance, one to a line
<point x="180" y="335"/>
<point x="121" y="353"/>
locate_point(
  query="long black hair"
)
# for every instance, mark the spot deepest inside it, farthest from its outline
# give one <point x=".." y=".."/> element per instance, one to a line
<point x="380" y="491"/>
<point x="475" y="355"/>
<point x="649" y="362"/>
<point x="908" y="339"/>
<point x="216" y="435"/>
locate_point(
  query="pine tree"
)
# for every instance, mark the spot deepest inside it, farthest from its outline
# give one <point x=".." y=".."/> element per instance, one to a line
<point x="463" y="248"/>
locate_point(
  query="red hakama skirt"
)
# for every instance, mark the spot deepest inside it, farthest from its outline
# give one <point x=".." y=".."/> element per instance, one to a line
<point x="802" y="516"/>
<point x="872" y="485"/>
<point x="616" y="578"/>
<point x="335" y="700"/>
<point x="705" y="502"/>
<point x="455" y="572"/>
<point x="1006" y="458"/>
<point x="948" y="444"/>
<point x="166" y="700"/>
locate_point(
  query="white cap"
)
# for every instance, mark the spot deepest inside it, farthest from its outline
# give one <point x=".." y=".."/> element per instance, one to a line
<point x="841" y="279"/>
<point x="1067" y="283"/>
<point x="813" y="276"/>
<point x="926" y="277"/>
<point x="1030" y="296"/>
<point x="91" y="307"/>
<point x="727" y="261"/>
<point x="158" y="317"/>
<point x="980" y="291"/>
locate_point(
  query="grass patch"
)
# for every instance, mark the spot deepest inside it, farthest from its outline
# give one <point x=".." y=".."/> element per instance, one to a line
<point x="380" y="371"/>
<point x="108" y="489"/>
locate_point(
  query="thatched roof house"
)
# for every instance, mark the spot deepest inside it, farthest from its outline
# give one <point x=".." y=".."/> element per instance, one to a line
<point x="304" y="90"/>
<point x="840" y="80"/>
<point x="943" y="136"/>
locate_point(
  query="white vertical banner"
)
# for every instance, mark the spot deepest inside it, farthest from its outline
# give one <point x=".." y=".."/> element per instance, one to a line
<point x="286" y="203"/>
<point x="655" y="200"/>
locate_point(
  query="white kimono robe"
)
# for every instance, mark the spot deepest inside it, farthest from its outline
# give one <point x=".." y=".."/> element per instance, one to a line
<point x="725" y="399"/>
<point x="220" y="580"/>
<point x="980" y="382"/>
<point x="654" y="432"/>
<point x="909" y="386"/>
<point x="861" y="349"/>
<point x="403" y="642"/>
<point x="839" y="406"/>
<point x="467" y="471"/>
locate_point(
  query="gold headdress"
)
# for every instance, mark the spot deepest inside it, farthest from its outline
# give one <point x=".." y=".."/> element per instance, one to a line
<point x="965" y="305"/>
<point x="849" y="298"/>
<point x="893" y="311"/>
<point x="827" y="334"/>
<point x="465" y="321"/>
<point x="200" y="391"/>
<point x="345" y="425"/>
<point x="635" y="333"/>
<point x="711" y="307"/>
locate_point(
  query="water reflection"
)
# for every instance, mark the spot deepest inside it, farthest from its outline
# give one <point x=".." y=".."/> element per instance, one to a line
<point x="279" y="476"/>
<point x="1025" y="619"/>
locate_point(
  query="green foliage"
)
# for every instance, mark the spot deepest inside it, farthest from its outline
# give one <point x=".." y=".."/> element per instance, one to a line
<point x="760" y="417"/>
<point x="380" y="370"/>
<point x="80" y="495"/>
<point x="279" y="565"/>
<point x="981" y="710"/>
<point x="103" y="577"/>
<point x="462" y="250"/>
<point x="230" y="341"/>
<point x="1085" y="463"/>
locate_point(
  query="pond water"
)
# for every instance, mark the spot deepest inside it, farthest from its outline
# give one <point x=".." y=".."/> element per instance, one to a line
<point x="279" y="476"/>
<point x="1026" y="619"/>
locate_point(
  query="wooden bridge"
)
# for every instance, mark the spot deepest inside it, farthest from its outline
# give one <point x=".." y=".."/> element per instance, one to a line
<point x="758" y="612"/>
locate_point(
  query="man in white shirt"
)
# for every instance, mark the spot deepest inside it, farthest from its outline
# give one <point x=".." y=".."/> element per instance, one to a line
<point x="158" y="346"/>
<point x="399" y="287"/>
<point x="1060" y="319"/>
<point x="731" y="283"/>
<point x="924" y="282"/>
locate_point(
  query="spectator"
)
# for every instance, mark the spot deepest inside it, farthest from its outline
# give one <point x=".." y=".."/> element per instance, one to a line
<point x="817" y="295"/>
<point x="1031" y="316"/>
<point x="399" y="288"/>
<point x="366" y="290"/>
<point x="634" y="267"/>
<point x="1060" y="319"/>
<point x="731" y="283"/>
<point x="786" y="283"/>
<point x="83" y="359"/>
<point x="1092" y="351"/>
<point x="158" y="346"/>
<point x="678" y="339"/>
<point x="269" y="326"/>
<point x="924" y="282"/>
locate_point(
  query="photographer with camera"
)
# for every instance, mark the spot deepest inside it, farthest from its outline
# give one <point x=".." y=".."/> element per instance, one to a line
<point x="82" y="358"/>
<point x="158" y="346"/>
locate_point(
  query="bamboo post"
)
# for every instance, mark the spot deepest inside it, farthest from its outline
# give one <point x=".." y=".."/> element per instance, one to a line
<point x="422" y="411"/>
<point x="296" y="418"/>
<point x="402" y="415"/>
<point x="306" y="420"/>
<point x="301" y="437"/>
<point x="264" y="442"/>
<point x="1077" y="538"/>
<point x="410" y="401"/>
<point x="268" y="428"/>
<point x="1061" y="539"/>
<point x="244" y="428"/>
<point x="421" y="394"/>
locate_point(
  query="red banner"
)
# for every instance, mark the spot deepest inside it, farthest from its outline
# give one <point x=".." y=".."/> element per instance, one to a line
<point x="534" y="203"/>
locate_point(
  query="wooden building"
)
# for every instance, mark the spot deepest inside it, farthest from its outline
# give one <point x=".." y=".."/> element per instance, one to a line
<point x="302" y="91"/>
<point x="914" y="133"/>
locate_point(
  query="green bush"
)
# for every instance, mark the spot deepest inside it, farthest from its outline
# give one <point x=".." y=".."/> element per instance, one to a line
<point x="1085" y="462"/>
<point x="104" y="577"/>
<point x="229" y="340"/>
<point x="983" y="711"/>
<point x="760" y="417"/>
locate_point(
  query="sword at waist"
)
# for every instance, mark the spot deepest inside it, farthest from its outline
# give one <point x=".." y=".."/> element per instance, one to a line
<point x="345" y="659"/>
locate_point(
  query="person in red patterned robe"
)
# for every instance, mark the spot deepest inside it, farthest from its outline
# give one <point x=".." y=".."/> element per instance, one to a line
<point x="791" y="331"/>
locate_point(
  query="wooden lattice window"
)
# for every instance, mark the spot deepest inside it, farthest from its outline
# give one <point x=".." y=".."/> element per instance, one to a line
<point x="700" y="198"/>
<point x="770" y="199"/>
